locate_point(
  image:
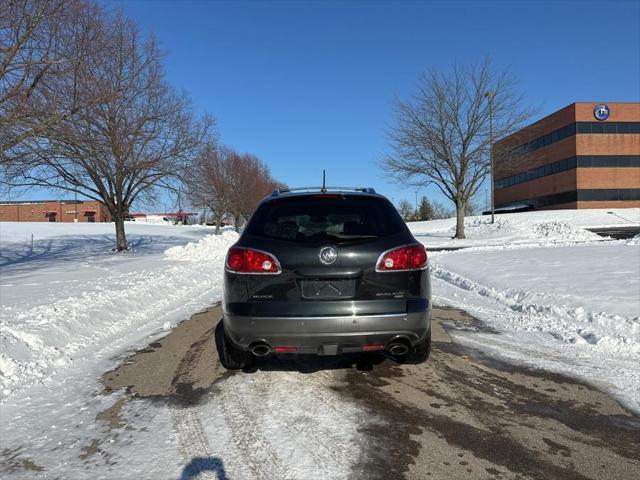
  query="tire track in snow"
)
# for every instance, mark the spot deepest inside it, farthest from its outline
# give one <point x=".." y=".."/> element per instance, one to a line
<point x="186" y="422"/>
<point x="288" y="419"/>
<point x="193" y="442"/>
<point x="244" y="423"/>
<point x="332" y="449"/>
<point x="296" y="425"/>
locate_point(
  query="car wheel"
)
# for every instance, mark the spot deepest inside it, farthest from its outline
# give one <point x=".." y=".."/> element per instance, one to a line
<point x="231" y="357"/>
<point x="420" y="352"/>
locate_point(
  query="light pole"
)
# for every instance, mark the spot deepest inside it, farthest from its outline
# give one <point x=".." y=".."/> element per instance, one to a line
<point x="490" y="96"/>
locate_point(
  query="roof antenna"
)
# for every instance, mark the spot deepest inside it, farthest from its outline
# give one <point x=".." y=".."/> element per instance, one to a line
<point x="324" y="188"/>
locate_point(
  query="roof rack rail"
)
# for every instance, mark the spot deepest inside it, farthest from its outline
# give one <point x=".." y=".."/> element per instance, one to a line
<point x="279" y="191"/>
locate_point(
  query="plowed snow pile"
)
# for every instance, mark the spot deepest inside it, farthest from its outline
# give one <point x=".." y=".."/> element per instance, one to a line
<point x="78" y="306"/>
<point x="543" y="232"/>
<point x="540" y="227"/>
<point x="561" y="296"/>
<point x="207" y="249"/>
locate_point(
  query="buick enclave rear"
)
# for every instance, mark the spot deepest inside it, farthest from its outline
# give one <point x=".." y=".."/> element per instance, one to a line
<point x="326" y="272"/>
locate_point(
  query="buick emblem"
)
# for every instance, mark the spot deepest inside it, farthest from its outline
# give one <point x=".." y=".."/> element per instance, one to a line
<point x="601" y="112"/>
<point x="328" y="255"/>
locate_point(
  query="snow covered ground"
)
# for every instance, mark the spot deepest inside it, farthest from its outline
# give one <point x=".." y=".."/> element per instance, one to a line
<point x="69" y="295"/>
<point x="542" y="227"/>
<point x="561" y="297"/>
<point x="63" y="293"/>
<point x="70" y="309"/>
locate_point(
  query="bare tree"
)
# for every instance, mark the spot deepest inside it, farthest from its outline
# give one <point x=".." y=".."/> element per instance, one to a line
<point x="229" y="183"/>
<point x="251" y="181"/>
<point x="210" y="182"/>
<point x="440" y="211"/>
<point x="43" y="43"/>
<point x="441" y="135"/>
<point x="472" y="208"/>
<point x="405" y="209"/>
<point x="135" y="135"/>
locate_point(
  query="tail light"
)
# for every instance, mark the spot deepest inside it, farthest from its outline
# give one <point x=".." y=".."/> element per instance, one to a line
<point x="247" y="260"/>
<point x="372" y="348"/>
<point x="285" y="349"/>
<point x="409" y="257"/>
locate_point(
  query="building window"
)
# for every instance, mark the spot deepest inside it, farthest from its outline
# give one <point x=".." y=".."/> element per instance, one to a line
<point x="594" y="161"/>
<point x="609" y="194"/>
<point x="591" y="195"/>
<point x="572" y="129"/>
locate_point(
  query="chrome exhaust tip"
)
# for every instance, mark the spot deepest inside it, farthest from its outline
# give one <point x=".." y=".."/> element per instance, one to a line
<point x="260" y="349"/>
<point x="398" y="349"/>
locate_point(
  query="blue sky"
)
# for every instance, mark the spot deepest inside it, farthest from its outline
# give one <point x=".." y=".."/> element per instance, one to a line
<point x="310" y="85"/>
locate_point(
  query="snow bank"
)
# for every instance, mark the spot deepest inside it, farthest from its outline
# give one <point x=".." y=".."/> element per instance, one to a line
<point x="546" y="231"/>
<point x="115" y="304"/>
<point x="574" y="309"/>
<point x="548" y="226"/>
<point x="562" y="297"/>
<point x="634" y="241"/>
<point x="561" y="231"/>
<point x="203" y="250"/>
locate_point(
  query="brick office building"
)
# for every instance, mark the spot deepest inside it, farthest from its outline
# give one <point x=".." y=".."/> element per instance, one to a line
<point x="54" y="211"/>
<point x="586" y="155"/>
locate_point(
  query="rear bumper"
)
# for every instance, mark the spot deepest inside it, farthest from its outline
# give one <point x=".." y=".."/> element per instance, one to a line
<point x="327" y="334"/>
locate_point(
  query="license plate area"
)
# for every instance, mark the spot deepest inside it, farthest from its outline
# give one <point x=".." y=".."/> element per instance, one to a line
<point x="328" y="289"/>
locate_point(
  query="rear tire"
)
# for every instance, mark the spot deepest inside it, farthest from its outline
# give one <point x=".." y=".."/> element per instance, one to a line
<point x="231" y="357"/>
<point x="419" y="353"/>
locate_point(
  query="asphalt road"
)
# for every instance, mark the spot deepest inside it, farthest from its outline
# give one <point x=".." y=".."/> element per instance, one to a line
<point x="459" y="416"/>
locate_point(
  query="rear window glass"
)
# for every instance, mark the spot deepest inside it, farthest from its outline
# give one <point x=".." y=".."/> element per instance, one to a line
<point x="326" y="217"/>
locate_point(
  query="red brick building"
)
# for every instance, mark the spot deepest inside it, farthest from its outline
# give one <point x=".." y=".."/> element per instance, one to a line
<point x="54" y="211"/>
<point x="586" y="155"/>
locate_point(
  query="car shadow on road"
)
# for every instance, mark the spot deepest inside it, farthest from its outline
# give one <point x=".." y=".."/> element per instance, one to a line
<point x="197" y="465"/>
<point x="313" y="363"/>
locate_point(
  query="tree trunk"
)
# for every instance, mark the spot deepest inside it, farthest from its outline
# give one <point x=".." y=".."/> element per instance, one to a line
<point x="218" y="225"/>
<point x="460" y="206"/>
<point x="121" y="238"/>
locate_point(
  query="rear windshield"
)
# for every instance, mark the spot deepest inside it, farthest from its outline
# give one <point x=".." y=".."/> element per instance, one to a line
<point x="338" y="218"/>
